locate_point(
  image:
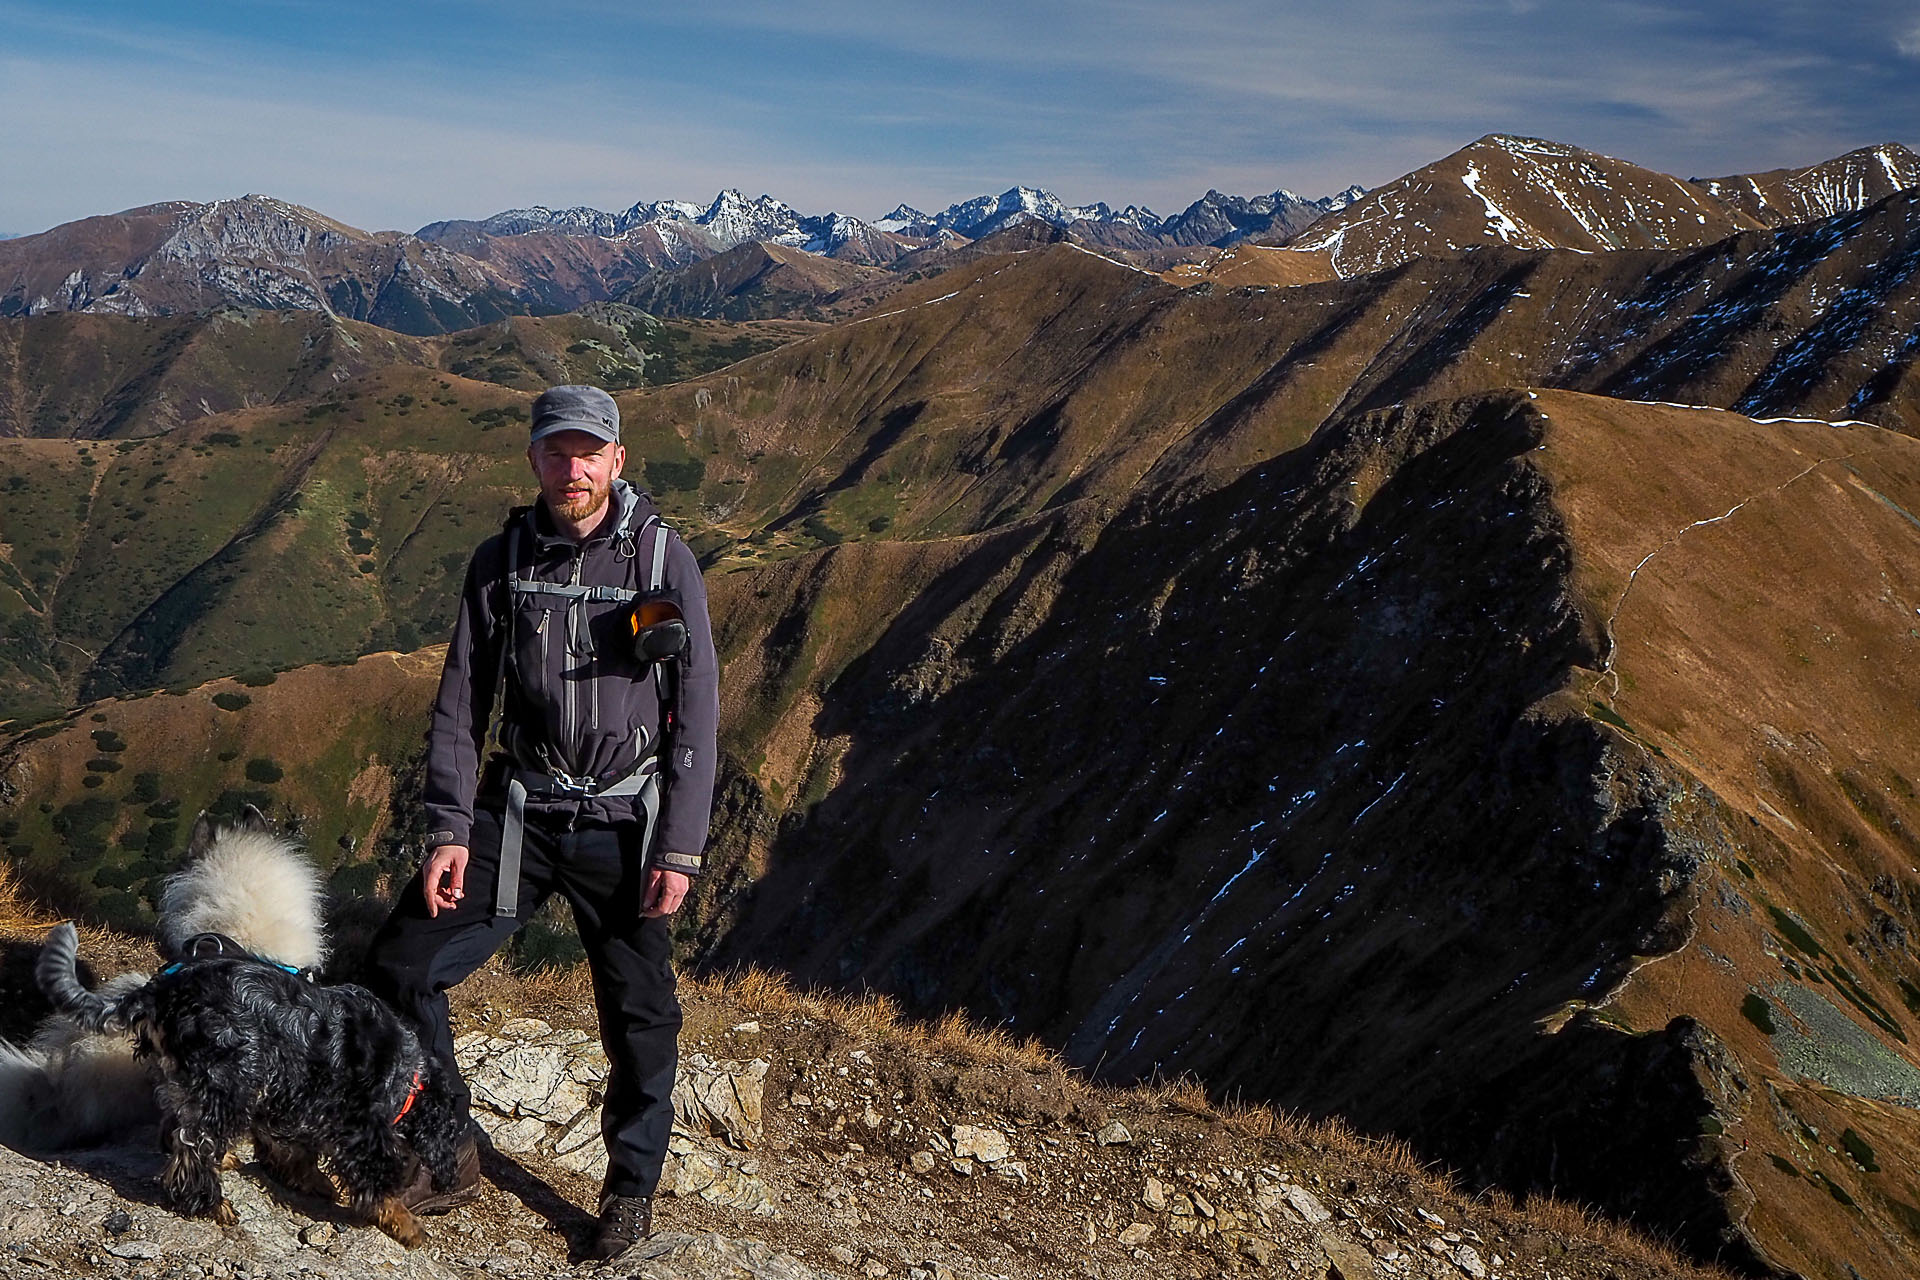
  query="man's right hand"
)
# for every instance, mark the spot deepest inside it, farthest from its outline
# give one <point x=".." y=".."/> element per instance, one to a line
<point x="444" y="877"/>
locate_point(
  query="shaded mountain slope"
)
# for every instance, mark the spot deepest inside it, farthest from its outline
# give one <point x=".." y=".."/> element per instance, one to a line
<point x="1312" y="785"/>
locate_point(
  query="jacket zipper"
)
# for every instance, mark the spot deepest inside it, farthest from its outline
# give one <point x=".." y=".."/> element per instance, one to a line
<point x="570" y="747"/>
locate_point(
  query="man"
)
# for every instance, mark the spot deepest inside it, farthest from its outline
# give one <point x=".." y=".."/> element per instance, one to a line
<point x="600" y="790"/>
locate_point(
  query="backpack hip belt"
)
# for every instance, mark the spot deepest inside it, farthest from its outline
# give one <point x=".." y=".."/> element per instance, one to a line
<point x="525" y="784"/>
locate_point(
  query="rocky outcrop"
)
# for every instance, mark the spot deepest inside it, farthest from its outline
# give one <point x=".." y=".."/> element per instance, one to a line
<point x="537" y="1091"/>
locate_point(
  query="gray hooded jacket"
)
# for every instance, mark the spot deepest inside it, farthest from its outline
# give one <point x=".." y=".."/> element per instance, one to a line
<point x="576" y="698"/>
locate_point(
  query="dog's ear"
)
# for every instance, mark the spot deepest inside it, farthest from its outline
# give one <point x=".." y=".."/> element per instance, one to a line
<point x="202" y="838"/>
<point x="251" y="819"/>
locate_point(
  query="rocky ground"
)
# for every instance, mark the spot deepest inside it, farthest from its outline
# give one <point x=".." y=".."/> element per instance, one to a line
<point x="822" y="1138"/>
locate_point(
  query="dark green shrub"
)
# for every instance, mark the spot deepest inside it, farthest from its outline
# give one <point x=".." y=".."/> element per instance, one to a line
<point x="261" y="769"/>
<point x="1794" y="932"/>
<point x="1862" y="1153"/>
<point x="231" y="700"/>
<point x="663" y="476"/>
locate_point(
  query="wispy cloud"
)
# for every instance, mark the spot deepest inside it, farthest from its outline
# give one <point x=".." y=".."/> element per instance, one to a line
<point x="1908" y="41"/>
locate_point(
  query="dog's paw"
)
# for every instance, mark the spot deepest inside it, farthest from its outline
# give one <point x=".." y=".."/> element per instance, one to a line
<point x="394" y="1218"/>
<point x="224" y="1215"/>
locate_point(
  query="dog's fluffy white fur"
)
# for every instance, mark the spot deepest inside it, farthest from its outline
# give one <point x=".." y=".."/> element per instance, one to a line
<point x="256" y="888"/>
<point x="72" y="1088"/>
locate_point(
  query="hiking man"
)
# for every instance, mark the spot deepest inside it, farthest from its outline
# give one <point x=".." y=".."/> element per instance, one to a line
<point x="585" y="621"/>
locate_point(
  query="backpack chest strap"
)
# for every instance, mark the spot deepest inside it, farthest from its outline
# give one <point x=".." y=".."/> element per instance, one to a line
<point x="568" y="590"/>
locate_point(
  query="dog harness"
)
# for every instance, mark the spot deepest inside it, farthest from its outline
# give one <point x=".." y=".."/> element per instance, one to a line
<point x="643" y="782"/>
<point x="218" y="946"/>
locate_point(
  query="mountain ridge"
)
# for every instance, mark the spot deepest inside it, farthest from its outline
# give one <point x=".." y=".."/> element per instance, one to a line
<point x="1502" y="189"/>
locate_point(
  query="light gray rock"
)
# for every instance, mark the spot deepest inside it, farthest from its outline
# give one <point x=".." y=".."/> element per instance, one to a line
<point x="983" y="1144"/>
<point x="693" y="1170"/>
<point x="708" y="1256"/>
<point x="1304" y="1203"/>
<point x="721" y="1098"/>
<point x="1113" y="1134"/>
<point x="1468" y="1260"/>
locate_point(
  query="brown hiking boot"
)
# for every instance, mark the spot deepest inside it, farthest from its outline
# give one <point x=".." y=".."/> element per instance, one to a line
<point x="421" y="1196"/>
<point x="624" y="1222"/>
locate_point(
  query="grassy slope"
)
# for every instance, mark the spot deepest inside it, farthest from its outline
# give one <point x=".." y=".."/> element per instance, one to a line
<point x="1785" y="695"/>
<point x="100" y="802"/>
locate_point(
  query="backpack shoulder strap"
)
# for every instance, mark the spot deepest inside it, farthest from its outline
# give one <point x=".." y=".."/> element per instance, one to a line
<point x="657" y="564"/>
<point x="503" y="634"/>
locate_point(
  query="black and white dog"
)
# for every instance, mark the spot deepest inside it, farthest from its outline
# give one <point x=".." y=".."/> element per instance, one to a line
<point x="242" y="1042"/>
<point x="70" y="1087"/>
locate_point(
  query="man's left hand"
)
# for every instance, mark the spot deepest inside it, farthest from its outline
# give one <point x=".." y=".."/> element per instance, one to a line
<point x="665" y="891"/>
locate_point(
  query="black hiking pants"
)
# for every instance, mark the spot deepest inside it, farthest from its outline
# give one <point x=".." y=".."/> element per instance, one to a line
<point x="601" y="872"/>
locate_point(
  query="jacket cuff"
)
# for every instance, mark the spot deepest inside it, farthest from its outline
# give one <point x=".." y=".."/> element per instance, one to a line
<point x="444" y="835"/>
<point x="687" y="864"/>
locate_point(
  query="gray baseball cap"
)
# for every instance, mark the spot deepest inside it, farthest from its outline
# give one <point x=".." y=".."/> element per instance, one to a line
<point x="587" y="409"/>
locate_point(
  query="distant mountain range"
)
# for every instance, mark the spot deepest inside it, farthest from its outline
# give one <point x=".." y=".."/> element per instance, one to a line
<point x="256" y="251"/>
<point x="731" y="218"/>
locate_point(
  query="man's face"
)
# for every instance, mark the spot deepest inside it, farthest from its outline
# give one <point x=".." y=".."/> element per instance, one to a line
<point x="576" y="472"/>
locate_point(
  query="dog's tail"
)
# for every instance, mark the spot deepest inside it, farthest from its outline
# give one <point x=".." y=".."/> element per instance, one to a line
<point x="61" y="983"/>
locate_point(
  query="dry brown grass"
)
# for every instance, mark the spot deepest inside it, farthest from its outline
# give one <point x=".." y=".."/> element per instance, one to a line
<point x="568" y="985"/>
<point x="1568" y="1218"/>
<point x="877" y="1018"/>
<point x="19" y="915"/>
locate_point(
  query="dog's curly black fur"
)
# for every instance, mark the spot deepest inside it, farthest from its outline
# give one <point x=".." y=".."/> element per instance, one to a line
<point x="310" y="1070"/>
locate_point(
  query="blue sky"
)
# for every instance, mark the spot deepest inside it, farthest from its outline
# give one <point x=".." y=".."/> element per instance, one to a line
<point x="394" y="114"/>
